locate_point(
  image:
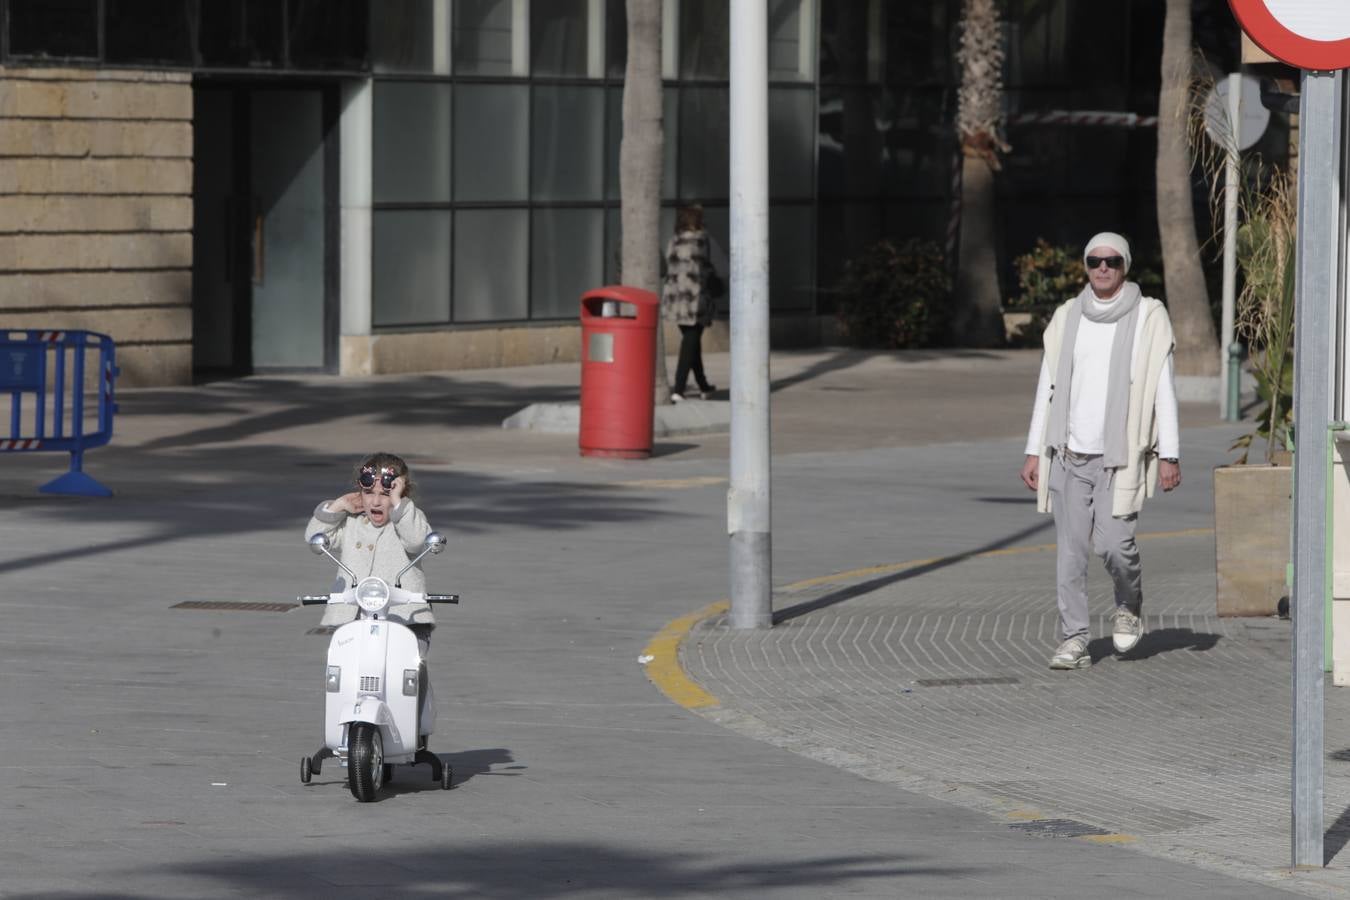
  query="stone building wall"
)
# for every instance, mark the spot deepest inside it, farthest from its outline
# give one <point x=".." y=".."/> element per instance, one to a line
<point x="96" y="211"/>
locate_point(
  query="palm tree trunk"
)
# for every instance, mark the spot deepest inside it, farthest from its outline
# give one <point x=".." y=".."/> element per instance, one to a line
<point x="980" y="307"/>
<point x="640" y="151"/>
<point x="1197" y="350"/>
<point x="977" y="306"/>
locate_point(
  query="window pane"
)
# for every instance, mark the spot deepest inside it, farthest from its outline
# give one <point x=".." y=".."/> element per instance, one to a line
<point x="410" y="36"/>
<point x="568" y="142"/>
<point x="791" y="271"/>
<point x="791" y="40"/>
<point x="412" y="142"/>
<point x="846" y="53"/>
<point x="149" y="31"/>
<point x="850" y="145"/>
<point x="240" y="33"/>
<point x="704" y="137"/>
<point x="411" y="278"/>
<point x="567" y="248"/>
<point x="491" y="262"/>
<point x="919" y="146"/>
<point x="491" y="142"/>
<point x="328" y="34"/>
<point x="791" y="142"/>
<point x="53" y="27"/>
<point x="484" y="42"/>
<point x="559" y="37"/>
<point x="845" y="230"/>
<point x="704" y="39"/>
<point x="920" y="43"/>
<point x="616" y="38"/>
<point x="670" y="126"/>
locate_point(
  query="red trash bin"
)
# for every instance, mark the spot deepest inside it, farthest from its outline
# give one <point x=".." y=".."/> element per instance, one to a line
<point x="618" y="354"/>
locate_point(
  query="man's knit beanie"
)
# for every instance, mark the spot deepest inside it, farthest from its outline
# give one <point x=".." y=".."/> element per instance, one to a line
<point x="1112" y="240"/>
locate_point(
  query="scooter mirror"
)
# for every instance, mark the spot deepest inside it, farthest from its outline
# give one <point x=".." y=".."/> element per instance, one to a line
<point x="318" y="543"/>
<point x="435" y="542"/>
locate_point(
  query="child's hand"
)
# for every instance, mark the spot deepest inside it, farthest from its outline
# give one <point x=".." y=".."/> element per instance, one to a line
<point x="348" y="503"/>
<point x="396" y="491"/>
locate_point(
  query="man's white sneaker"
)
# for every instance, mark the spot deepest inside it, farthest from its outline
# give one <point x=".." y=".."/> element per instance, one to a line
<point x="1072" y="654"/>
<point x="1126" y="629"/>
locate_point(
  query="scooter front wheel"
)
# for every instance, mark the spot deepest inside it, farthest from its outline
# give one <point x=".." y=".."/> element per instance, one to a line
<point x="306" y="770"/>
<point x="365" y="761"/>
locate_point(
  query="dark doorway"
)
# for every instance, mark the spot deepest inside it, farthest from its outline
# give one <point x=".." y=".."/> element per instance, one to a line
<point x="264" y="281"/>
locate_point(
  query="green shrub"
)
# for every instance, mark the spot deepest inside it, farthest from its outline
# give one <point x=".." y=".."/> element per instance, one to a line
<point x="1047" y="276"/>
<point x="895" y="296"/>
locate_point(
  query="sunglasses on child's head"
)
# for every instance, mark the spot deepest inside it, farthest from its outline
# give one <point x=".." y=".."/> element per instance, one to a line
<point x="387" y="476"/>
<point x="1112" y="262"/>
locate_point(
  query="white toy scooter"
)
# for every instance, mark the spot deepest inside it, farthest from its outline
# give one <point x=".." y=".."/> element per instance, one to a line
<point x="376" y="683"/>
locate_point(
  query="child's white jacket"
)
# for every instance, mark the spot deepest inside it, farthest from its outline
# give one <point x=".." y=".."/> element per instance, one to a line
<point x="382" y="552"/>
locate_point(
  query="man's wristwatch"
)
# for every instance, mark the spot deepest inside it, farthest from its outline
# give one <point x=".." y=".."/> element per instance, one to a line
<point x="1169" y="459"/>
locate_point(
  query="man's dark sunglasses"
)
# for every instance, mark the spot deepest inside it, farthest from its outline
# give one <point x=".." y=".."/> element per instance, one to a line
<point x="1112" y="262"/>
<point x="387" y="476"/>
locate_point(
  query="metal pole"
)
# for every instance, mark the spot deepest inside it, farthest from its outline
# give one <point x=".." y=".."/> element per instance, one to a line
<point x="748" y="519"/>
<point x="1227" y="409"/>
<point x="1318" y="248"/>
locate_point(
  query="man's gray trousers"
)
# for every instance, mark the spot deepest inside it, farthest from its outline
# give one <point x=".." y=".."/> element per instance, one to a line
<point x="1080" y="496"/>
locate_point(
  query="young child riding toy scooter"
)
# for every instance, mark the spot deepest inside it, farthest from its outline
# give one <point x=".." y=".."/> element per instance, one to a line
<point x="377" y="536"/>
<point x="375" y="530"/>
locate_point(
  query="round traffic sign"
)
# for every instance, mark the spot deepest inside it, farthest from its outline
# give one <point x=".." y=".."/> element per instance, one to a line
<point x="1309" y="34"/>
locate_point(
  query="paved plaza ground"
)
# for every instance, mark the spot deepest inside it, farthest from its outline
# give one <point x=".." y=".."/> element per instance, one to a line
<point x="895" y="735"/>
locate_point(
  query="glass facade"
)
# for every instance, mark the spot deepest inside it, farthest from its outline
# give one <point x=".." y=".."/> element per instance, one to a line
<point x="497" y="126"/>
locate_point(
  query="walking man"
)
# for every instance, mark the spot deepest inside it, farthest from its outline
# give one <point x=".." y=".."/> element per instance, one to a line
<point x="1103" y="435"/>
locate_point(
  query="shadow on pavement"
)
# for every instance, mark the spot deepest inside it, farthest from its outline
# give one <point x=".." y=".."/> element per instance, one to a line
<point x="1163" y="640"/>
<point x="520" y="870"/>
<point x="1337" y="836"/>
<point x="867" y="587"/>
<point x="238" y="503"/>
<point x="254" y="407"/>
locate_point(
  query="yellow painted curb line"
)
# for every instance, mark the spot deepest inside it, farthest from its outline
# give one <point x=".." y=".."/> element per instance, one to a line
<point x="1116" y="839"/>
<point x="663" y="651"/>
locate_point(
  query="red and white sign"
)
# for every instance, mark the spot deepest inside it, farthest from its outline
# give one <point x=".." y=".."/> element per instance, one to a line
<point x="1309" y="34"/>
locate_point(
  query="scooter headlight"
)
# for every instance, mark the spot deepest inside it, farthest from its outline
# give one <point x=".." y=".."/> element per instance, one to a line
<point x="372" y="594"/>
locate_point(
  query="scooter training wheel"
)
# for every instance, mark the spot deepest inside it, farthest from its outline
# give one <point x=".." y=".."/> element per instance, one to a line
<point x="306" y="770"/>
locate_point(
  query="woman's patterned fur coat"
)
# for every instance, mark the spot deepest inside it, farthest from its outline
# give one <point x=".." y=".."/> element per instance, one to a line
<point x="685" y="296"/>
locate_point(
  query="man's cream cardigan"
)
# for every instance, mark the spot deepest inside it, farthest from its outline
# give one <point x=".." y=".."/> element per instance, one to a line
<point x="1153" y="345"/>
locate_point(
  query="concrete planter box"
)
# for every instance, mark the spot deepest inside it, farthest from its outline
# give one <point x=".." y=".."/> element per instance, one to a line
<point x="1251" y="536"/>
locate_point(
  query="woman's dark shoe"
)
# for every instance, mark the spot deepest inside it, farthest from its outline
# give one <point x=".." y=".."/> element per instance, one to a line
<point x="707" y="390"/>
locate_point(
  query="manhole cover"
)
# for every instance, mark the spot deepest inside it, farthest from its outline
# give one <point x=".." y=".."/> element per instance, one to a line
<point x="235" y="605"/>
<point x="1058" y="828"/>
<point x="967" y="682"/>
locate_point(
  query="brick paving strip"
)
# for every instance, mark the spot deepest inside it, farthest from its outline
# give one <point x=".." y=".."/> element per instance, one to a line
<point x="934" y="677"/>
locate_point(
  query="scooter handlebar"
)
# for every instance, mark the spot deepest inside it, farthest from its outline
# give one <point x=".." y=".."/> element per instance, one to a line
<point x="442" y="598"/>
<point x="307" y="600"/>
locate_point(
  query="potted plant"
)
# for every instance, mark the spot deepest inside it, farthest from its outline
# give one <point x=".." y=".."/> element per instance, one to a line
<point x="1252" y="501"/>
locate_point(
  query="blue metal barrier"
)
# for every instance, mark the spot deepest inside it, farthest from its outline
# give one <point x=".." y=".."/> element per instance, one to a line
<point x="33" y="365"/>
